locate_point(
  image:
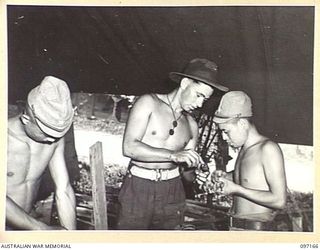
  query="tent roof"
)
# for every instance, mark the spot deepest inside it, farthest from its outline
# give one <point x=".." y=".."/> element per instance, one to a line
<point x="265" y="51"/>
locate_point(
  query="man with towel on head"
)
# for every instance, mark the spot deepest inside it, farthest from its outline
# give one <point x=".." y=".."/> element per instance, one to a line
<point x="35" y="141"/>
<point x="258" y="182"/>
<point x="160" y="137"/>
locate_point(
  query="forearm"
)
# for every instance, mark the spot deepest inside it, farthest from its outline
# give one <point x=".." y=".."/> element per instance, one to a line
<point x="229" y="175"/>
<point x="66" y="208"/>
<point x="17" y="218"/>
<point x="142" y="152"/>
<point x="264" y="198"/>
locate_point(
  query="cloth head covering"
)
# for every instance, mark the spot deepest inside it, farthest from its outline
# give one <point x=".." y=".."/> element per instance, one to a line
<point x="51" y="105"/>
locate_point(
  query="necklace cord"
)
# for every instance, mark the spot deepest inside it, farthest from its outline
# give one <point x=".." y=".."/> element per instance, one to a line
<point x="170" y="105"/>
<point x="254" y="144"/>
<point x="175" y="122"/>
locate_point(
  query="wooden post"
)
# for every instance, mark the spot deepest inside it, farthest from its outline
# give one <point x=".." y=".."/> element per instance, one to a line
<point x="297" y="223"/>
<point x="98" y="187"/>
<point x="92" y="106"/>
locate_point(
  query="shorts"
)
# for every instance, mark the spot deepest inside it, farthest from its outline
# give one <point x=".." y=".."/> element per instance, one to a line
<point x="147" y="204"/>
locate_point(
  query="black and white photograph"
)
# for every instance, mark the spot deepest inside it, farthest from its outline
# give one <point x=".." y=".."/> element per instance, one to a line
<point x="160" y="118"/>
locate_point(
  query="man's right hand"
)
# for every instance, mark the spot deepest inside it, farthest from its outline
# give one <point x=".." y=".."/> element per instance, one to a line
<point x="190" y="157"/>
<point x="217" y="174"/>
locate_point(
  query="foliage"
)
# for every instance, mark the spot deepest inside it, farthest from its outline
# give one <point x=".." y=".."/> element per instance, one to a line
<point x="99" y="125"/>
<point x="300" y="205"/>
<point x="113" y="175"/>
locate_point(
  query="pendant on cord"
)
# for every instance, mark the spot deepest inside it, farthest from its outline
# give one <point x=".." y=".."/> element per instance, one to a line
<point x="174" y="124"/>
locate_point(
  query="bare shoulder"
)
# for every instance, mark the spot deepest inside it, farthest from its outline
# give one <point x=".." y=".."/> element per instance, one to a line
<point x="192" y="122"/>
<point x="15" y="136"/>
<point x="271" y="148"/>
<point x="145" y="102"/>
<point x="191" y="119"/>
<point x="146" y="99"/>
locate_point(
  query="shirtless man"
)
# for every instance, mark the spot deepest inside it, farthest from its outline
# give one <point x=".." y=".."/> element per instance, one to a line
<point x="258" y="183"/>
<point x="35" y="141"/>
<point x="160" y="135"/>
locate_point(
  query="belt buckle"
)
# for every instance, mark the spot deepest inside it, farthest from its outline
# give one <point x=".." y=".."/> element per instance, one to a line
<point x="158" y="174"/>
<point x="162" y="174"/>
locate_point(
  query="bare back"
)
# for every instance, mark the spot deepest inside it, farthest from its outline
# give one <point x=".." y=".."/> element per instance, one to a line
<point x="26" y="163"/>
<point x="250" y="173"/>
<point x="156" y="131"/>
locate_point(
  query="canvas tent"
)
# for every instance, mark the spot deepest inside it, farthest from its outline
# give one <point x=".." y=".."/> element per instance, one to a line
<point x="265" y="51"/>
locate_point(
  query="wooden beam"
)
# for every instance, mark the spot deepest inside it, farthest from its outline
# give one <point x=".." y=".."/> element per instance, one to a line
<point x="297" y="223"/>
<point x="98" y="187"/>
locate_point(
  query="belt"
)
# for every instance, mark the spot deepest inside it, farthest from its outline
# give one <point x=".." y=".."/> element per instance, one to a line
<point x="251" y="224"/>
<point x="154" y="174"/>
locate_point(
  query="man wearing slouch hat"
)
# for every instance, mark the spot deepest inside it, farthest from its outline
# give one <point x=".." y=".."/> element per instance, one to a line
<point x="35" y="141"/>
<point x="160" y="138"/>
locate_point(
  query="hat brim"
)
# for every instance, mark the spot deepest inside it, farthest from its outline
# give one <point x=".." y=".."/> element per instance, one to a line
<point x="219" y="120"/>
<point x="52" y="132"/>
<point x="176" y="77"/>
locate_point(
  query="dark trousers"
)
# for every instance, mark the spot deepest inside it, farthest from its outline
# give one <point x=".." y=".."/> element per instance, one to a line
<point x="147" y="204"/>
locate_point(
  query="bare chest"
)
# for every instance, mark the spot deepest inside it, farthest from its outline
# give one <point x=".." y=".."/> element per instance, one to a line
<point x="249" y="170"/>
<point x="27" y="162"/>
<point x="162" y="132"/>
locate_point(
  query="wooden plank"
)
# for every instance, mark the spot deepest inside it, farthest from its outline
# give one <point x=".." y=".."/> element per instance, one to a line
<point x="297" y="223"/>
<point x="98" y="187"/>
<point x="85" y="222"/>
<point x="193" y="208"/>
